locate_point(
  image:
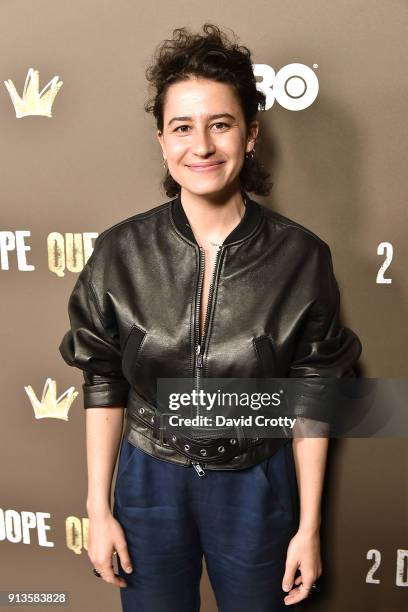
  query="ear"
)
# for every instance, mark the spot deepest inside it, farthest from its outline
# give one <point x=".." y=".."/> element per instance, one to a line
<point x="161" y="141"/>
<point x="253" y="131"/>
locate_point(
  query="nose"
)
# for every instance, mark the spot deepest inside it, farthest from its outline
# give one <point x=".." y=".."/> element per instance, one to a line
<point x="202" y="143"/>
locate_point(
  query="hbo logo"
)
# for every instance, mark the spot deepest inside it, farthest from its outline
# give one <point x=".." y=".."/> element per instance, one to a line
<point x="294" y="86"/>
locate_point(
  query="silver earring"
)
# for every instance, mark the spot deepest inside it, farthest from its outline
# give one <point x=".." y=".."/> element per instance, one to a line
<point x="164" y="162"/>
<point x="250" y="154"/>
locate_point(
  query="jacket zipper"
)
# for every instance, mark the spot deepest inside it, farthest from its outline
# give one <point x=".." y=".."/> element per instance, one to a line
<point x="200" y="346"/>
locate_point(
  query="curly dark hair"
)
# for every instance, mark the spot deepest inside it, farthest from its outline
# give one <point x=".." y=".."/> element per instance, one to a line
<point x="211" y="56"/>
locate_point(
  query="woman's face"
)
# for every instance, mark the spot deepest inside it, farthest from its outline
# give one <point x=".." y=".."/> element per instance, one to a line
<point x="203" y="123"/>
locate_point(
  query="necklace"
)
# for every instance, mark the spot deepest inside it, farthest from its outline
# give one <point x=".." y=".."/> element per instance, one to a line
<point x="214" y="243"/>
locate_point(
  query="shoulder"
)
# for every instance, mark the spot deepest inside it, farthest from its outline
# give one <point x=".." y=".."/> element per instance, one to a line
<point x="114" y="244"/>
<point x="305" y="254"/>
<point x="139" y="221"/>
<point x="299" y="236"/>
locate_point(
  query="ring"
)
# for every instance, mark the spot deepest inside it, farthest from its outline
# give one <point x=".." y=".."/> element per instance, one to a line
<point x="312" y="589"/>
<point x="95" y="571"/>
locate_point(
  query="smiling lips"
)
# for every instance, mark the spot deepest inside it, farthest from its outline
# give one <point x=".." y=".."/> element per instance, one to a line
<point x="205" y="167"/>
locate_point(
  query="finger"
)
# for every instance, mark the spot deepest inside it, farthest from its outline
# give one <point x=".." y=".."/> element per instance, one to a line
<point x="108" y="575"/>
<point x="297" y="581"/>
<point x="124" y="558"/>
<point x="307" y="585"/>
<point x="289" y="576"/>
<point x="297" y="594"/>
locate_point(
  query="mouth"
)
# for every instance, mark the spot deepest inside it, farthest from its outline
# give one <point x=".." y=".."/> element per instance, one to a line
<point x="205" y="167"/>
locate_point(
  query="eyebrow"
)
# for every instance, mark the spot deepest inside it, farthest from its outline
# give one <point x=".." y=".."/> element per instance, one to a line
<point x="218" y="116"/>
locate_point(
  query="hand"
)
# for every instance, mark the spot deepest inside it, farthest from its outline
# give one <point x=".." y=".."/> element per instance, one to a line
<point x="303" y="554"/>
<point x="104" y="538"/>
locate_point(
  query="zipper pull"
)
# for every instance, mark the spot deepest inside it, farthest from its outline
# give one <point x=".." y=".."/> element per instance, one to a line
<point x="198" y="468"/>
<point x="199" y="357"/>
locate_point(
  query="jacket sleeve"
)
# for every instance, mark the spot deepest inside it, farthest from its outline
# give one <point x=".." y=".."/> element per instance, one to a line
<point x="92" y="344"/>
<point x="324" y="348"/>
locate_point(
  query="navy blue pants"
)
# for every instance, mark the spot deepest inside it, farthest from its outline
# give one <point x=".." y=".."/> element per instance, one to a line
<point x="240" y="520"/>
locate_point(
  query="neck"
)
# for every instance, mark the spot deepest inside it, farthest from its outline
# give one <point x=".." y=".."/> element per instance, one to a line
<point x="212" y="218"/>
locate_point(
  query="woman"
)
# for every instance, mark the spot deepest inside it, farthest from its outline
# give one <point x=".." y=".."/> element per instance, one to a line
<point x="209" y="284"/>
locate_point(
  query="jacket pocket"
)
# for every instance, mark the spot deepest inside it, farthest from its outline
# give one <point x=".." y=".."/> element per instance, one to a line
<point x="265" y="352"/>
<point x="131" y="351"/>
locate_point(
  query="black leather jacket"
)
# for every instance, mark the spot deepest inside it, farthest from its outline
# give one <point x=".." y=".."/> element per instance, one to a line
<point x="272" y="312"/>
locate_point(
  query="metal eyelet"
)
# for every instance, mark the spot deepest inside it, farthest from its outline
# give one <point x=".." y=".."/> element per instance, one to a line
<point x="203" y="452"/>
<point x="221" y="449"/>
<point x="186" y="447"/>
<point x="141" y="410"/>
<point x="174" y="438"/>
<point x="233" y="441"/>
<point x="152" y="419"/>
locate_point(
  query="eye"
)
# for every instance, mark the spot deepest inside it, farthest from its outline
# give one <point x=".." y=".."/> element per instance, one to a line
<point x="181" y="126"/>
<point x="221" y="123"/>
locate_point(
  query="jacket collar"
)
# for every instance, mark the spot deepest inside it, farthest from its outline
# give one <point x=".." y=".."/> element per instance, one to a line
<point x="250" y="219"/>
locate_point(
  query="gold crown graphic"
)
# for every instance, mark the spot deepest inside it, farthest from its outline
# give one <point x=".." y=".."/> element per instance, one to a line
<point x="34" y="102"/>
<point x="50" y="407"/>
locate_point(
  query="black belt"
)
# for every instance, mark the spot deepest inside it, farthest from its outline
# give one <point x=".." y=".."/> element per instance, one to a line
<point x="205" y="450"/>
